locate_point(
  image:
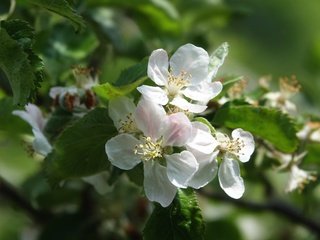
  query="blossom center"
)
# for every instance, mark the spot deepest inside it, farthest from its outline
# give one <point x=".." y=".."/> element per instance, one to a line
<point x="127" y="125"/>
<point x="148" y="149"/>
<point x="176" y="83"/>
<point x="233" y="146"/>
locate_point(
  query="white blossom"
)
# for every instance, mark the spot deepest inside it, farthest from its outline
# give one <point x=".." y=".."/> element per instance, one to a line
<point x="34" y="117"/>
<point x="187" y="75"/>
<point x="281" y="99"/>
<point x="299" y="178"/>
<point x="240" y="147"/>
<point x="164" y="171"/>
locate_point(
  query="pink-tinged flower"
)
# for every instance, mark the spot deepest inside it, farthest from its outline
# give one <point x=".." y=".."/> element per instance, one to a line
<point x="34" y="117"/>
<point x="164" y="171"/>
<point x="240" y="147"/>
<point x="186" y="76"/>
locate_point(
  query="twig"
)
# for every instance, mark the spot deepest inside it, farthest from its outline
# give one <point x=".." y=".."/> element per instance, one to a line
<point x="9" y="192"/>
<point x="274" y="206"/>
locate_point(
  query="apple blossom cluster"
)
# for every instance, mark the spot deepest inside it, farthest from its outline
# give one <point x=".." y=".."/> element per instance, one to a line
<point x="176" y="150"/>
<point x="79" y="97"/>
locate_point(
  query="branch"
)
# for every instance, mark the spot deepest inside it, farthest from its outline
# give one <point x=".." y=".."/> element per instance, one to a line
<point x="10" y="193"/>
<point x="274" y="206"/>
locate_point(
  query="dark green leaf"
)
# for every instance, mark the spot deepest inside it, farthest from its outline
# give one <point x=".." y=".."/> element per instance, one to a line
<point x="223" y="230"/>
<point x="22" y="33"/>
<point x="182" y="220"/>
<point x="269" y="124"/>
<point x="58" y="121"/>
<point x="133" y="73"/>
<point x="80" y="149"/>
<point x="17" y="68"/>
<point x="62" y="8"/>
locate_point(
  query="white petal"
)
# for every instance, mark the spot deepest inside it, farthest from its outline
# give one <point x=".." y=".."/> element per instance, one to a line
<point x="100" y="182"/>
<point x="120" y="151"/>
<point x="177" y="130"/>
<point x="157" y="186"/>
<point x="158" y="67"/>
<point x="208" y="168"/>
<point x="120" y="108"/>
<point x="55" y="91"/>
<point x="155" y="94"/>
<point x="248" y="140"/>
<point x="192" y="60"/>
<point x="289" y="107"/>
<point x="150" y="118"/>
<point x="202" y="140"/>
<point x="32" y="115"/>
<point x="185" y="105"/>
<point x="40" y="143"/>
<point x="230" y="179"/>
<point x="181" y="167"/>
<point x="204" y="91"/>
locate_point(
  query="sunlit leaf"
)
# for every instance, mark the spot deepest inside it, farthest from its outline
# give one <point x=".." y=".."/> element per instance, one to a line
<point x="269" y="124"/>
<point x="182" y="220"/>
<point x="128" y="81"/>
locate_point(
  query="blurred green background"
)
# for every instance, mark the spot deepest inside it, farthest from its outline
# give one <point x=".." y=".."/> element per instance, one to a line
<point x="278" y="38"/>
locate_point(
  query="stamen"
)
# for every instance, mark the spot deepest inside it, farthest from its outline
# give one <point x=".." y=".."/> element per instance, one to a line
<point x="176" y="83"/>
<point x="127" y="125"/>
<point x="149" y="149"/>
<point x="289" y="86"/>
<point x="233" y="146"/>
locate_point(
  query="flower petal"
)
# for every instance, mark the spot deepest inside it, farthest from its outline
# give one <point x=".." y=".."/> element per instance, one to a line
<point x="158" y="67"/>
<point x="157" y="186"/>
<point x="100" y="182"/>
<point x="208" y="168"/>
<point x="192" y="60"/>
<point x="204" y="91"/>
<point x="120" y="151"/>
<point x="201" y="139"/>
<point x="177" y="130"/>
<point x="230" y="179"/>
<point x="120" y="108"/>
<point x="185" y="105"/>
<point x="40" y="143"/>
<point x="150" y="118"/>
<point x="248" y="141"/>
<point x="155" y="94"/>
<point x="31" y="115"/>
<point x="181" y="167"/>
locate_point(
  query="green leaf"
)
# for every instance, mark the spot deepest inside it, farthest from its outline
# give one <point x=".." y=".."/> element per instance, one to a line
<point x="269" y="124"/>
<point x="16" y="68"/>
<point x="128" y="81"/>
<point x="58" y="121"/>
<point x="225" y="229"/>
<point x="22" y="34"/>
<point x="132" y="74"/>
<point x="62" y="8"/>
<point x="108" y="91"/>
<point x="182" y="220"/>
<point x="80" y="149"/>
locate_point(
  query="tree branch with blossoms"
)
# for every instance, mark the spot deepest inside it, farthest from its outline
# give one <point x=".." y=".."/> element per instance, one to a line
<point x="140" y="147"/>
